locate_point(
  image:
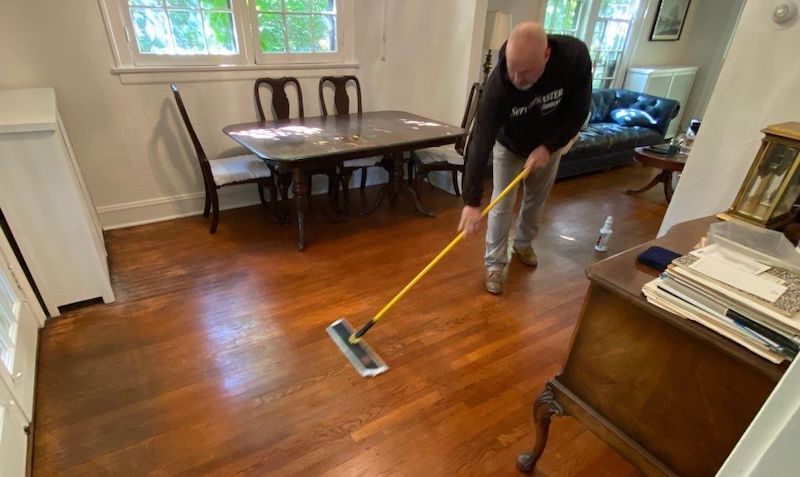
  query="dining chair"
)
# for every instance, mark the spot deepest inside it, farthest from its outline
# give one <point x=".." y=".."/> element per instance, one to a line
<point x="341" y="107"/>
<point x="280" y="111"/>
<point x="447" y="158"/>
<point x="224" y="171"/>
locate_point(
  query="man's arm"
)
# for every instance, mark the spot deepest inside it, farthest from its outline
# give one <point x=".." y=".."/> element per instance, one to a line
<point x="492" y="112"/>
<point x="574" y="106"/>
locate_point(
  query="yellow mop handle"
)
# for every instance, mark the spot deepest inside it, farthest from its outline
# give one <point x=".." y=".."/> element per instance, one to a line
<point x="357" y="335"/>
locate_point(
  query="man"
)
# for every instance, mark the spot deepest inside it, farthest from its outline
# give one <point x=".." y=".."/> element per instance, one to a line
<point x="533" y="106"/>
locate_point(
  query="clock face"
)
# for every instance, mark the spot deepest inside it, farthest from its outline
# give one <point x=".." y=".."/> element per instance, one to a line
<point x="770" y="192"/>
<point x="791" y="191"/>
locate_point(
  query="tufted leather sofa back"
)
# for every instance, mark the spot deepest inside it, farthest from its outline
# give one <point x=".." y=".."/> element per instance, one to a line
<point x="606" y="100"/>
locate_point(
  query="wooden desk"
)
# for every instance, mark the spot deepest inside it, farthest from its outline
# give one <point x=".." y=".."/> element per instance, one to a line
<point x="294" y="144"/>
<point x="669" y="395"/>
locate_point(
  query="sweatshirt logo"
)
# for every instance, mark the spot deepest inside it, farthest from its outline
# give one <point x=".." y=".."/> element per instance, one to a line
<point x="547" y="103"/>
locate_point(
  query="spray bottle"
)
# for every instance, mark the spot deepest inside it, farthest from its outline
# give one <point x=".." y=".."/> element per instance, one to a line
<point x="605" y="234"/>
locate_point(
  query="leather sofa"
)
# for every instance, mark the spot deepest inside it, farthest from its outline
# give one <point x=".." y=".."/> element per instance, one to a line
<point x="620" y="120"/>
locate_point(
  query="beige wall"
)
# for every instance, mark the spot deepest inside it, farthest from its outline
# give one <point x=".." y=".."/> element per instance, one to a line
<point x="132" y="150"/>
<point x="428" y="52"/>
<point x="756" y="87"/>
<point x="708" y="43"/>
<point x="661" y="53"/>
<point x="520" y="10"/>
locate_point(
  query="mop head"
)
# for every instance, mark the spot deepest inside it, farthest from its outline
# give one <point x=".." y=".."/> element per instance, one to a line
<point x="361" y="356"/>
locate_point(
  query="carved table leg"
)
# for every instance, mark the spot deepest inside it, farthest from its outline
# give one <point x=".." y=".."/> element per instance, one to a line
<point x="301" y="201"/>
<point x="399" y="183"/>
<point x="668" y="190"/>
<point x="395" y="185"/>
<point x="397" y="176"/>
<point x="543" y="410"/>
<point x="656" y="180"/>
<point x="347" y="173"/>
<point x="284" y="180"/>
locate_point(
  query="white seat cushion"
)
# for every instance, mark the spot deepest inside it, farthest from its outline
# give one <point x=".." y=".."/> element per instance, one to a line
<point x="238" y="169"/>
<point x="363" y="162"/>
<point x="439" y="154"/>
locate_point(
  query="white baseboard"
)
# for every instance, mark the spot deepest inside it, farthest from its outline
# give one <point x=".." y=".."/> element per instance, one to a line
<point x="148" y="211"/>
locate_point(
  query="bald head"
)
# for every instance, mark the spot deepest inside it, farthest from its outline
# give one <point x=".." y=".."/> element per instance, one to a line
<point x="527" y="53"/>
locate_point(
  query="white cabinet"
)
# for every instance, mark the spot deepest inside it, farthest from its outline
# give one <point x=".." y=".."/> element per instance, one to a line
<point x="673" y="82"/>
<point x="46" y="203"/>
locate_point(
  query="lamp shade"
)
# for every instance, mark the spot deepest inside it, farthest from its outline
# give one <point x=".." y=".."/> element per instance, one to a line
<point x="500" y="30"/>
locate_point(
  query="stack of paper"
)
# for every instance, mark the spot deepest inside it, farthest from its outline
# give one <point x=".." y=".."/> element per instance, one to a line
<point x="753" y="304"/>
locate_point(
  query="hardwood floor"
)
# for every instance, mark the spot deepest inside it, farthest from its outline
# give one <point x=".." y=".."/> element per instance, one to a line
<point x="214" y="359"/>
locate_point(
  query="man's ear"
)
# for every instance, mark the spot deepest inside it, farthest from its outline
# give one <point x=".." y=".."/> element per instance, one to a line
<point x="547" y="54"/>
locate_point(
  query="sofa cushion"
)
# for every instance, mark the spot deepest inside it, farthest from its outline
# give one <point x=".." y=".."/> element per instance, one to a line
<point x="590" y="139"/>
<point x="599" y="138"/>
<point x="632" y="117"/>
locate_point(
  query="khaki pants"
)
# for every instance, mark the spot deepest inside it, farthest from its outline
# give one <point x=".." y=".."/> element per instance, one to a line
<point x="536" y="187"/>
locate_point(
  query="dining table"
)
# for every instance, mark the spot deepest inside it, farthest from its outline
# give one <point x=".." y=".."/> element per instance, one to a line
<point x="293" y="145"/>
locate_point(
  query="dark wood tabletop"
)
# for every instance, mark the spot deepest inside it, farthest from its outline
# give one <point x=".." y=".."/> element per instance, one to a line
<point x="661" y="161"/>
<point x="295" y="144"/>
<point x="341" y="137"/>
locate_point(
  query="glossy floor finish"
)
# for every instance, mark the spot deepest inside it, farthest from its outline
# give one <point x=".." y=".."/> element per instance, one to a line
<point x="214" y="360"/>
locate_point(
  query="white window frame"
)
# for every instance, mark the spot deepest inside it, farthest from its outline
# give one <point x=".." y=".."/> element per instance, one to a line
<point x="294" y="58"/>
<point x="590" y="13"/>
<point x="240" y="22"/>
<point x="127" y="58"/>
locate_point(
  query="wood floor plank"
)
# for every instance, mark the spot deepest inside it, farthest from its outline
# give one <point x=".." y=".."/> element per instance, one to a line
<point x="214" y="360"/>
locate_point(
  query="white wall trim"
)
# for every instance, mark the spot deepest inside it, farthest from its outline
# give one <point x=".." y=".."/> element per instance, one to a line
<point x="148" y="211"/>
<point x="160" y="209"/>
<point x="189" y="74"/>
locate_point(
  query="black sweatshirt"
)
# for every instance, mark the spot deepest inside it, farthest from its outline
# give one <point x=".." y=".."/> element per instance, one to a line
<point x="550" y="113"/>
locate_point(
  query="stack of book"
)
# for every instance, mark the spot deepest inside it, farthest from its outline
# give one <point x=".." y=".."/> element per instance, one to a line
<point x="753" y="304"/>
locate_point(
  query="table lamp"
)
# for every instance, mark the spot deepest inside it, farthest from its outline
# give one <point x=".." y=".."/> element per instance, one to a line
<point x="501" y="27"/>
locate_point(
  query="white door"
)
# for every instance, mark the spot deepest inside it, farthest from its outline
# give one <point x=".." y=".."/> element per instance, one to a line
<point x="20" y="318"/>
<point x="13" y="439"/>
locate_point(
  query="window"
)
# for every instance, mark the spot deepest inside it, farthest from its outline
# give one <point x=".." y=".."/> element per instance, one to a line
<point x="184" y="27"/>
<point x="223" y="32"/>
<point x="296" y="26"/>
<point x="564" y="17"/>
<point x="9" y="319"/>
<point x="605" y="25"/>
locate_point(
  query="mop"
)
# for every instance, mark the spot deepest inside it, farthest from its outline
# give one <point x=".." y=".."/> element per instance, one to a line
<point x="351" y="343"/>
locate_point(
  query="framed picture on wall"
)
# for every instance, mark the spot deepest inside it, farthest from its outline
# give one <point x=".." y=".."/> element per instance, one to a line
<point x="670" y="16"/>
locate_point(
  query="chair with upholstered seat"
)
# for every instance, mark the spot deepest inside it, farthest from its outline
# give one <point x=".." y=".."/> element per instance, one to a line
<point x="341" y="104"/>
<point x="281" y="110"/>
<point x="220" y="172"/>
<point x="447" y="158"/>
